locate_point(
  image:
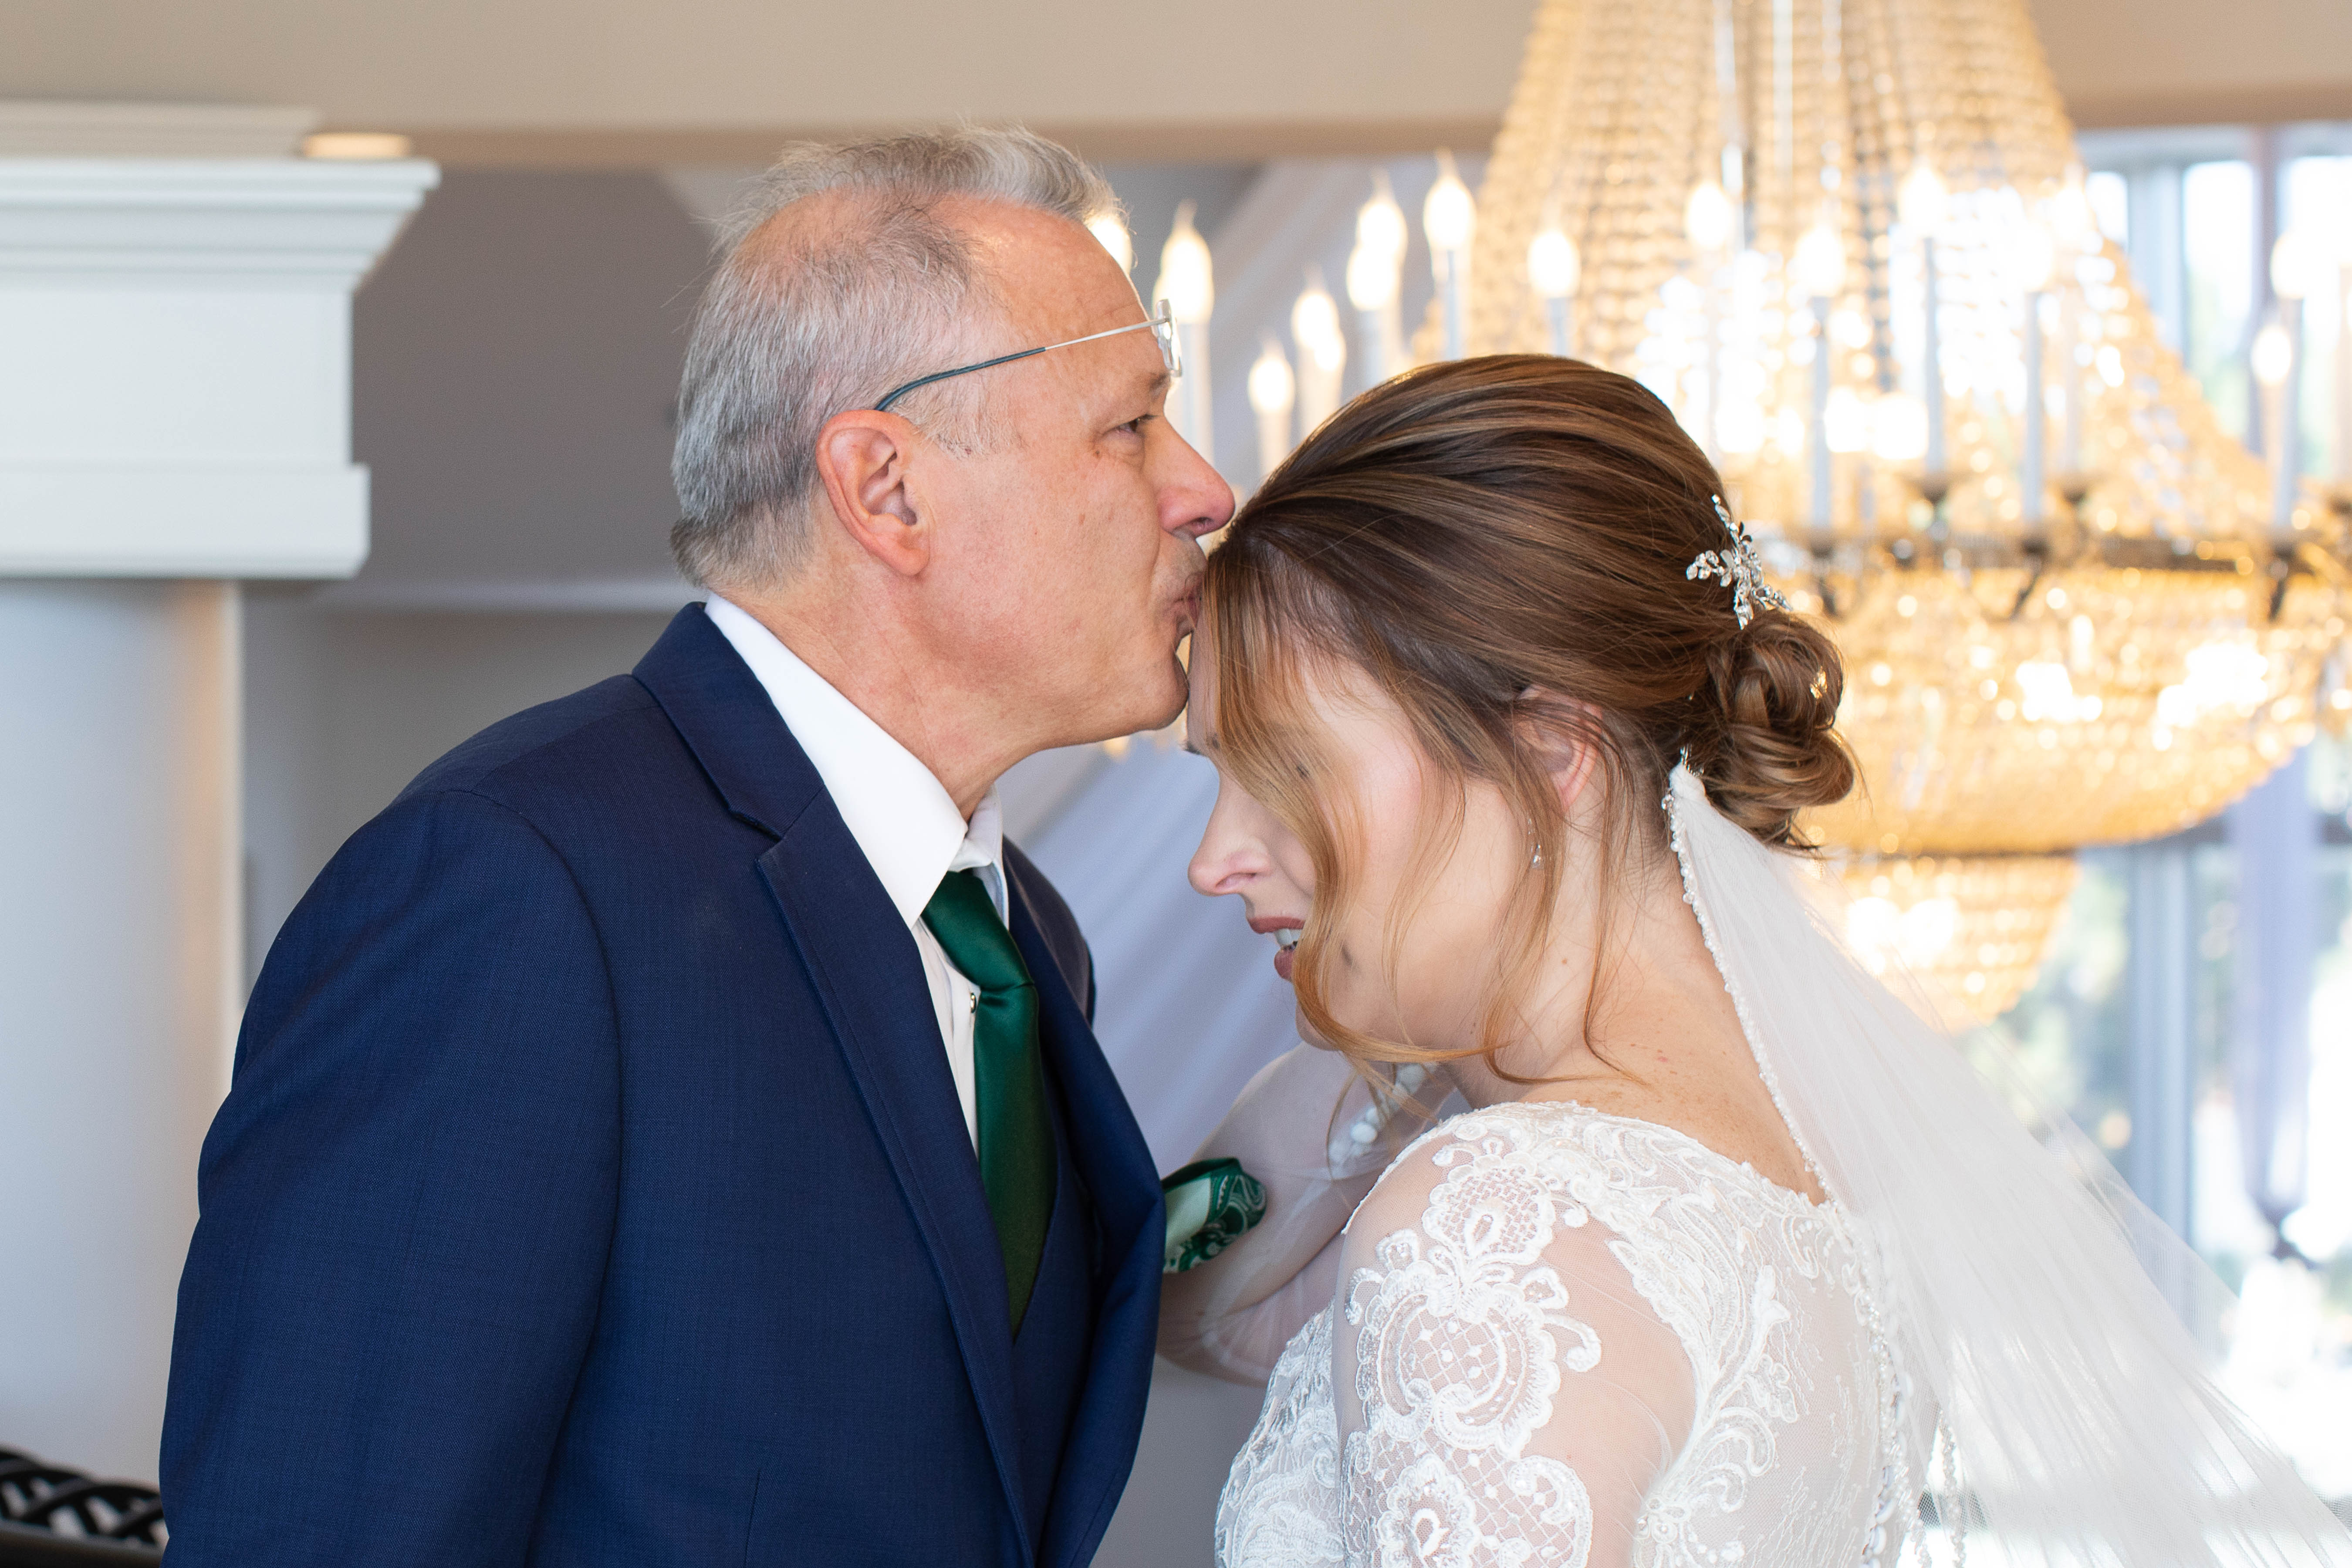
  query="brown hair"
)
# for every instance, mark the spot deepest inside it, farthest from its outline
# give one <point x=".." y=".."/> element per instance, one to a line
<point x="1478" y="530"/>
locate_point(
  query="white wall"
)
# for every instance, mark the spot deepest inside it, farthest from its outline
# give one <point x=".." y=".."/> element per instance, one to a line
<point x="342" y="709"/>
<point x="1195" y="1427"/>
<point x="115" y="900"/>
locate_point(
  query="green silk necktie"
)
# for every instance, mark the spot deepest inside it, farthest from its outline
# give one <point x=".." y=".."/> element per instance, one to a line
<point x="1016" y="1136"/>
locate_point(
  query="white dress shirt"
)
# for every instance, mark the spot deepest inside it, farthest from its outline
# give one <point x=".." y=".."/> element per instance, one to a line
<point x="897" y="809"/>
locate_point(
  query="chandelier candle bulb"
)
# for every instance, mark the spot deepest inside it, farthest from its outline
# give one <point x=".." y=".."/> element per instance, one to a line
<point x="1273" y="393"/>
<point x="1187" y="282"/>
<point x="1449" y="218"/>
<point x="2077" y="226"/>
<point x="1379" y="222"/>
<point x="1713" y="389"/>
<point x="2342" y="465"/>
<point x="1921" y="203"/>
<point x="1111" y="229"/>
<point x="2032" y="477"/>
<point x="1372" y="291"/>
<point x="1709" y="220"/>
<point x="2274" y="358"/>
<point x="1818" y="514"/>
<point x="2299" y="268"/>
<point x="1187" y="279"/>
<point x="2075" y="386"/>
<point x="1818" y="271"/>
<point x="1322" y="352"/>
<point x="1553" y="269"/>
<point x="1931" y="380"/>
<point x="1380" y="247"/>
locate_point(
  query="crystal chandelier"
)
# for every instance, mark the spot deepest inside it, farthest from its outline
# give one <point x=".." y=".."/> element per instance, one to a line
<point x="1846" y="242"/>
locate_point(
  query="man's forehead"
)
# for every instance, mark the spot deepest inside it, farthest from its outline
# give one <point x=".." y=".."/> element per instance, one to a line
<point x="1052" y="278"/>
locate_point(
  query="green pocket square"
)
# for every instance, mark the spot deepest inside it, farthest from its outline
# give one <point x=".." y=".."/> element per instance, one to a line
<point x="1211" y="1205"/>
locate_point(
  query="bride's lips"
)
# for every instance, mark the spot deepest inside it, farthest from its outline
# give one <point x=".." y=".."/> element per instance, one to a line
<point x="1285" y="931"/>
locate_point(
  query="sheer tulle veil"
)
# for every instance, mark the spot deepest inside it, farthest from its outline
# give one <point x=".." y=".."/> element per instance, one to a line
<point x="2087" y="1427"/>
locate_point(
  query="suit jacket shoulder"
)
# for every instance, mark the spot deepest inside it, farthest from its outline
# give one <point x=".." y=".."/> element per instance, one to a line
<point x="544" y="744"/>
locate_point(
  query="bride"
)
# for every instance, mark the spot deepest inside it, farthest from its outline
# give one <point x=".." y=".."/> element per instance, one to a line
<point x="1711" y="1251"/>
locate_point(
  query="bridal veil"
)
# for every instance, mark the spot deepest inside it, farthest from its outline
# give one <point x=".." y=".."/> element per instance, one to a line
<point x="2078" y="1411"/>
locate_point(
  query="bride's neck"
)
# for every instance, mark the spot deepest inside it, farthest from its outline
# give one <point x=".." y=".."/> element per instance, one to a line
<point x="1624" y="994"/>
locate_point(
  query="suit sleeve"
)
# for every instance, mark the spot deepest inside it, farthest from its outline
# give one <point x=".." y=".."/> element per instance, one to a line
<point x="406" y="1204"/>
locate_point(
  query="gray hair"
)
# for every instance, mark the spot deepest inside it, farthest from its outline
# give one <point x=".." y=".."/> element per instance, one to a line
<point x="796" y="328"/>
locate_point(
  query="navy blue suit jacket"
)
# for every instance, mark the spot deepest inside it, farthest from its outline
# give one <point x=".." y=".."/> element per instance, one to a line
<point x="592" y="1188"/>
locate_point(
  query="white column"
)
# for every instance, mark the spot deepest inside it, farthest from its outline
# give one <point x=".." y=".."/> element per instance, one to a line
<point x="174" y="415"/>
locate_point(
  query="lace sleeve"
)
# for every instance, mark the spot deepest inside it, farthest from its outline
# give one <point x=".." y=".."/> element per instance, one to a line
<point x="1505" y="1396"/>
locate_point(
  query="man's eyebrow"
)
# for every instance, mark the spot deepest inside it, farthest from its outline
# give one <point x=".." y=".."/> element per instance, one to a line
<point x="1158" y="386"/>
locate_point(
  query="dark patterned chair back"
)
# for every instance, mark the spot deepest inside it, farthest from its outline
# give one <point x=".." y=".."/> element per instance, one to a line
<point x="51" y="1517"/>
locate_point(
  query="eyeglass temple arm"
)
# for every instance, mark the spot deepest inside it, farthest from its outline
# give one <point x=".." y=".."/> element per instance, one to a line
<point x="1165" y="318"/>
<point x="883" y="406"/>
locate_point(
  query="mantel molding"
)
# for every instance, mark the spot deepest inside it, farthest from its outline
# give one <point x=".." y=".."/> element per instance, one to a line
<point x="265" y="223"/>
<point x="176" y="392"/>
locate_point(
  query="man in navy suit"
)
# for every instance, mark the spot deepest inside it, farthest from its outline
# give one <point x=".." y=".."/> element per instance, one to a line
<point x="671" y="1132"/>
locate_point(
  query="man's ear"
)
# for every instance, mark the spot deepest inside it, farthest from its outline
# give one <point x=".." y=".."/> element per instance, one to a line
<point x="861" y="458"/>
<point x="1558" y="729"/>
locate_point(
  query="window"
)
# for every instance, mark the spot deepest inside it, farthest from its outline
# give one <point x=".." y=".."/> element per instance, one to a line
<point x="2195" y="1005"/>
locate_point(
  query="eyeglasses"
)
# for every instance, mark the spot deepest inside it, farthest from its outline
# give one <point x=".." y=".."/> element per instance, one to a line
<point x="1162" y="327"/>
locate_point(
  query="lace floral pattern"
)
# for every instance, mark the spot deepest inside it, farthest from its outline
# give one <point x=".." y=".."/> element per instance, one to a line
<point x="1466" y="1338"/>
<point x="1276" y="1508"/>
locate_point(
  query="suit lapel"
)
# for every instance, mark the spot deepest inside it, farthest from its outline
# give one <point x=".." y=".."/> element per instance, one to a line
<point x="868" y="978"/>
<point x="1115" y="1164"/>
<point x="1109" y="1146"/>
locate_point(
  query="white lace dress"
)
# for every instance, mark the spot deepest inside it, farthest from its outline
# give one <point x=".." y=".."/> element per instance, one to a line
<point x="1562" y="1337"/>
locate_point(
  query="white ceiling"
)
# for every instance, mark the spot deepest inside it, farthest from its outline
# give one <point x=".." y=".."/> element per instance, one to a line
<point x="527" y="77"/>
<point x="619" y="82"/>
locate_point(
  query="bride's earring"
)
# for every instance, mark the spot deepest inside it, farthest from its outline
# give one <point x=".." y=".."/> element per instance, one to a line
<point x="1535" y="858"/>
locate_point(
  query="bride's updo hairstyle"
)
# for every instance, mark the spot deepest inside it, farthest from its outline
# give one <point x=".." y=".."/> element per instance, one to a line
<point x="1499" y="544"/>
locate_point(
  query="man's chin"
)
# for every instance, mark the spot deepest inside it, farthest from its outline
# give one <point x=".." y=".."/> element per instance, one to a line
<point x="1158" y="718"/>
<point x="1141" y="708"/>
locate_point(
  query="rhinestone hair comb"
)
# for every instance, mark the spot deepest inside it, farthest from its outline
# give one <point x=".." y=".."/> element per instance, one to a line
<point x="1738" y="568"/>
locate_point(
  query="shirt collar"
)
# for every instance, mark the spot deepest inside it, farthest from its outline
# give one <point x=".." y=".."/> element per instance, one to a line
<point x="896" y="808"/>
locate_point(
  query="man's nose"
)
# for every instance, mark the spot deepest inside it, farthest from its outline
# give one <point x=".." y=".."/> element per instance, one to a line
<point x="1198" y="502"/>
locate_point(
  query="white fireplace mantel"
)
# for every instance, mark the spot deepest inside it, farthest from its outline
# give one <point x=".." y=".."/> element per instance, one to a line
<point x="174" y="400"/>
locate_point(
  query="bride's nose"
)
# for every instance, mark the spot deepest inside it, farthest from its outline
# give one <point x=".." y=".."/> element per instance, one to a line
<point x="1230" y="856"/>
